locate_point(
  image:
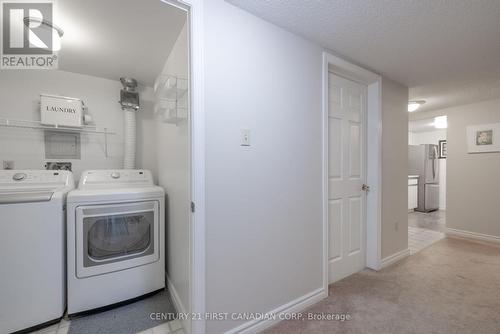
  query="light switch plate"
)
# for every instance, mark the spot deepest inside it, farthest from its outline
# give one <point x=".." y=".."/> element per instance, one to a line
<point x="245" y="137"/>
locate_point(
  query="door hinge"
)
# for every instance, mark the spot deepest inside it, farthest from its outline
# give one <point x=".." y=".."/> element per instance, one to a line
<point x="365" y="187"/>
<point x="192" y="207"/>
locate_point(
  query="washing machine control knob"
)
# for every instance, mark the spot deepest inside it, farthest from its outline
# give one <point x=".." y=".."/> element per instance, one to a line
<point x="115" y="175"/>
<point x="19" y="176"/>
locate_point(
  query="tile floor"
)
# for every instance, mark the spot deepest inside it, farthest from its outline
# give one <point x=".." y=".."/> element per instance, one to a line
<point x="60" y="328"/>
<point x="435" y="220"/>
<point x="126" y="319"/>
<point x="420" y="238"/>
<point x="171" y="327"/>
<point x="425" y="229"/>
<point x="174" y="327"/>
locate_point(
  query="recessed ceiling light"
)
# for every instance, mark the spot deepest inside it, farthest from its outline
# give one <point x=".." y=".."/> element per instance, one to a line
<point x="414" y="105"/>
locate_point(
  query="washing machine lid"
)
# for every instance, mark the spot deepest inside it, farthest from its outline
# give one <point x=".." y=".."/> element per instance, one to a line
<point x="22" y="186"/>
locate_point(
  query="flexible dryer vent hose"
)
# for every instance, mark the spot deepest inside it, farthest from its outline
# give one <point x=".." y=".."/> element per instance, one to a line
<point x="130" y="139"/>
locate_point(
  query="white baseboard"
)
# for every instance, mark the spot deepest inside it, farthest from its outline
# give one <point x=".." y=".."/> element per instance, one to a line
<point x="451" y="232"/>
<point x="294" y="306"/>
<point x="179" y="307"/>
<point x="391" y="259"/>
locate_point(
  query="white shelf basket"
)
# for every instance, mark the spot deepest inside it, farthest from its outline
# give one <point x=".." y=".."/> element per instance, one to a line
<point x="171" y="87"/>
<point x="171" y="98"/>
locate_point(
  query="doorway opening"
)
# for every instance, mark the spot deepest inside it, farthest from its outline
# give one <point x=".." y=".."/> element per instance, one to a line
<point x="426" y="182"/>
<point x="149" y="46"/>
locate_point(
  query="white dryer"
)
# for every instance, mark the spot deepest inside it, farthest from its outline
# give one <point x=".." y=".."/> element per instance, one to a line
<point x="116" y="229"/>
<point x="32" y="247"/>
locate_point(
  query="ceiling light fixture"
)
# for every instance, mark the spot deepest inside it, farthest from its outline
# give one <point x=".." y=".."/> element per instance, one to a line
<point x="414" y="105"/>
<point x="441" y="122"/>
<point x="57" y="32"/>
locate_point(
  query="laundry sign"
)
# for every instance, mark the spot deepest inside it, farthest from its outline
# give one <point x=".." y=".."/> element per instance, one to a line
<point x="61" y="110"/>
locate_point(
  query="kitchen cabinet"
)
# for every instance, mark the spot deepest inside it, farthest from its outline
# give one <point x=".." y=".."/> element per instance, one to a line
<point x="412" y="192"/>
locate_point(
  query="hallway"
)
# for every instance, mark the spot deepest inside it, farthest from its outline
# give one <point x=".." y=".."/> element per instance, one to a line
<point x="452" y="286"/>
<point x="425" y="229"/>
<point x="435" y="221"/>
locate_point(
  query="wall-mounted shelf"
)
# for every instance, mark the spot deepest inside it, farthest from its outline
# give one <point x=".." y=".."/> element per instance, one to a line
<point x="16" y="123"/>
<point x="171" y="98"/>
<point x="37" y="125"/>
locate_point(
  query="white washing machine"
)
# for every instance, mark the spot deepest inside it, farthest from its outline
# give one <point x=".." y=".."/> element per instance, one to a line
<point x="32" y="247"/>
<point x="116" y="229"/>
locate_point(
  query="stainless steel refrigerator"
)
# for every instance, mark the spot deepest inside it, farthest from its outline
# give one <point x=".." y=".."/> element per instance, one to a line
<point x="423" y="161"/>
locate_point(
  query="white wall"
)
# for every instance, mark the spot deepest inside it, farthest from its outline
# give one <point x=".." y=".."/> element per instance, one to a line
<point x="263" y="208"/>
<point x="433" y="137"/>
<point x="173" y="151"/>
<point x="20" y="96"/>
<point x="394" y="167"/>
<point x="263" y="202"/>
<point x="146" y="127"/>
<point x="427" y="137"/>
<point x="473" y="180"/>
<point x="411" y="138"/>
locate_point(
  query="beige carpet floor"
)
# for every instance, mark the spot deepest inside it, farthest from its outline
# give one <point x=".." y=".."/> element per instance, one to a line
<point x="452" y="286"/>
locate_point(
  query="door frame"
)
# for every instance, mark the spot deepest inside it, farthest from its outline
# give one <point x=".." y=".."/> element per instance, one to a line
<point x="194" y="10"/>
<point x="373" y="82"/>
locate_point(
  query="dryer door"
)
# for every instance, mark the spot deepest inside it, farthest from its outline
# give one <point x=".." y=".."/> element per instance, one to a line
<point x="114" y="237"/>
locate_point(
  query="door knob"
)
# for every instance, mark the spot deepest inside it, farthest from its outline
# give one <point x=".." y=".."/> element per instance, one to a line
<point x="365" y="187"/>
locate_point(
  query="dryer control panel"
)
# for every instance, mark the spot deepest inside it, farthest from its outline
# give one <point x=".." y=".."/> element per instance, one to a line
<point x="115" y="177"/>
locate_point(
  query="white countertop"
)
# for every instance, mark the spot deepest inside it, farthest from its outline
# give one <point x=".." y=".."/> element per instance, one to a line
<point x="413" y="176"/>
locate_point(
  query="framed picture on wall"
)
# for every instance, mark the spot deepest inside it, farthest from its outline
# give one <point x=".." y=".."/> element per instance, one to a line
<point x="483" y="138"/>
<point x="443" y="149"/>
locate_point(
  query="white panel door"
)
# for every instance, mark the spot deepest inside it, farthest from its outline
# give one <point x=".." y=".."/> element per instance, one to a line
<point x="346" y="176"/>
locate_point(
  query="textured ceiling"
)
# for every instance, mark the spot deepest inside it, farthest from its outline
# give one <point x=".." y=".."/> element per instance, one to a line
<point x="446" y="51"/>
<point x="115" y="38"/>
